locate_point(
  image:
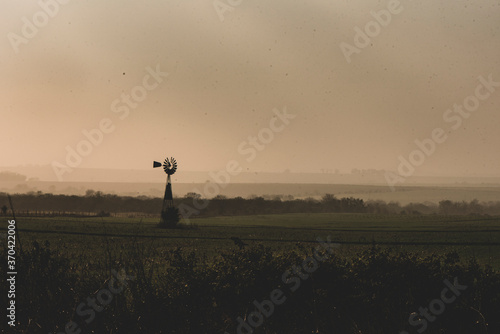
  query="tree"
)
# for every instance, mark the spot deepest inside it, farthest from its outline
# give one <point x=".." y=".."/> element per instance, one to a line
<point x="330" y="202"/>
<point x="192" y="195"/>
<point x="475" y="207"/>
<point x="170" y="218"/>
<point x="445" y="207"/>
<point x="328" y="198"/>
<point x="220" y="197"/>
<point x="89" y="193"/>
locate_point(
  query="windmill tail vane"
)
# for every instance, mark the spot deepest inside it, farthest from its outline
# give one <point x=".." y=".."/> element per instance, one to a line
<point x="169" y="166"/>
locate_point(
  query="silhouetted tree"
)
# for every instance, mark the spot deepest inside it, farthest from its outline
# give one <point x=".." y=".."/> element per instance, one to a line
<point x="170" y="218"/>
<point x="445" y="207"/>
<point x="192" y="195"/>
<point x="89" y="193"/>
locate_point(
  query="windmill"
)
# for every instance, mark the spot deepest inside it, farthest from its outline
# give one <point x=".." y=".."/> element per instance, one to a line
<point x="169" y="166"/>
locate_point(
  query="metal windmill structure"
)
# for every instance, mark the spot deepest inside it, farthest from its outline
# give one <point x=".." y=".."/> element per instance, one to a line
<point x="169" y="166"/>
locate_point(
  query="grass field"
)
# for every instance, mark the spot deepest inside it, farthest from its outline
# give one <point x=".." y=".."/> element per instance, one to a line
<point x="470" y="236"/>
<point x="196" y="280"/>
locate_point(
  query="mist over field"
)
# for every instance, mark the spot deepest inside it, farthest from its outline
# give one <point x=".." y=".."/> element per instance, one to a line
<point x="364" y="184"/>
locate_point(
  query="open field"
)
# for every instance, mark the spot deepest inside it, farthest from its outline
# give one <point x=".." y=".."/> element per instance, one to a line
<point x="196" y="280"/>
<point x="470" y="236"/>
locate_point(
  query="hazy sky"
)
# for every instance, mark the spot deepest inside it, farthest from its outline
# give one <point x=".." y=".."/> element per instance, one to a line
<point x="226" y="77"/>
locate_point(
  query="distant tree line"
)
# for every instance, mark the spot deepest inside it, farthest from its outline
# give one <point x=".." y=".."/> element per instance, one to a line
<point x="11" y="176"/>
<point x="100" y="204"/>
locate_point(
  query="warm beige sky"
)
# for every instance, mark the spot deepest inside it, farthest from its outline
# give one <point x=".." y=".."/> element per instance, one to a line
<point x="226" y="77"/>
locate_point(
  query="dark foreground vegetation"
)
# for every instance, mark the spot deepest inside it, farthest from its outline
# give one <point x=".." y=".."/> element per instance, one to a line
<point x="174" y="291"/>
<point x="99" y="204"/>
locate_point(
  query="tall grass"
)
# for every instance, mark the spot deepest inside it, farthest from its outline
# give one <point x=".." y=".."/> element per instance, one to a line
<point x="177" y="291"/>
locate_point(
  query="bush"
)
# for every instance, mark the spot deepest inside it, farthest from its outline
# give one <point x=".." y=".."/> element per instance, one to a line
<point x="170" y="218"/>
<point x="181" y="292"/>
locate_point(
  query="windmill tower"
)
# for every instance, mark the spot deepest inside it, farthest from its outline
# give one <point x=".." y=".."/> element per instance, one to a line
<point x="169" y="166"/>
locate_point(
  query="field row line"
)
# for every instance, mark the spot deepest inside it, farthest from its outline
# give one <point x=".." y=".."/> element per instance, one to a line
<point x="370" y="230"/>
<point x="361" y="242"/>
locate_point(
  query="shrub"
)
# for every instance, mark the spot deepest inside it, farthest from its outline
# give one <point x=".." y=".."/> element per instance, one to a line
<point x="170" y="218"/>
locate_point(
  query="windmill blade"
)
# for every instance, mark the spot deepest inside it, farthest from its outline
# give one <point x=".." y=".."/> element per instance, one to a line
<point x="169" y="166"/>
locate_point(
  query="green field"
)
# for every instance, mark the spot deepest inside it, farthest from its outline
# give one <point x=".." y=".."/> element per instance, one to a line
<point x="470" y="236"/>
<point x="196" y="280"/>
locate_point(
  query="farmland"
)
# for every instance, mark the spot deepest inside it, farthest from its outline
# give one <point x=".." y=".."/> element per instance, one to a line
<point x="196" y="279"/>
<point x="471" y="236"/>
